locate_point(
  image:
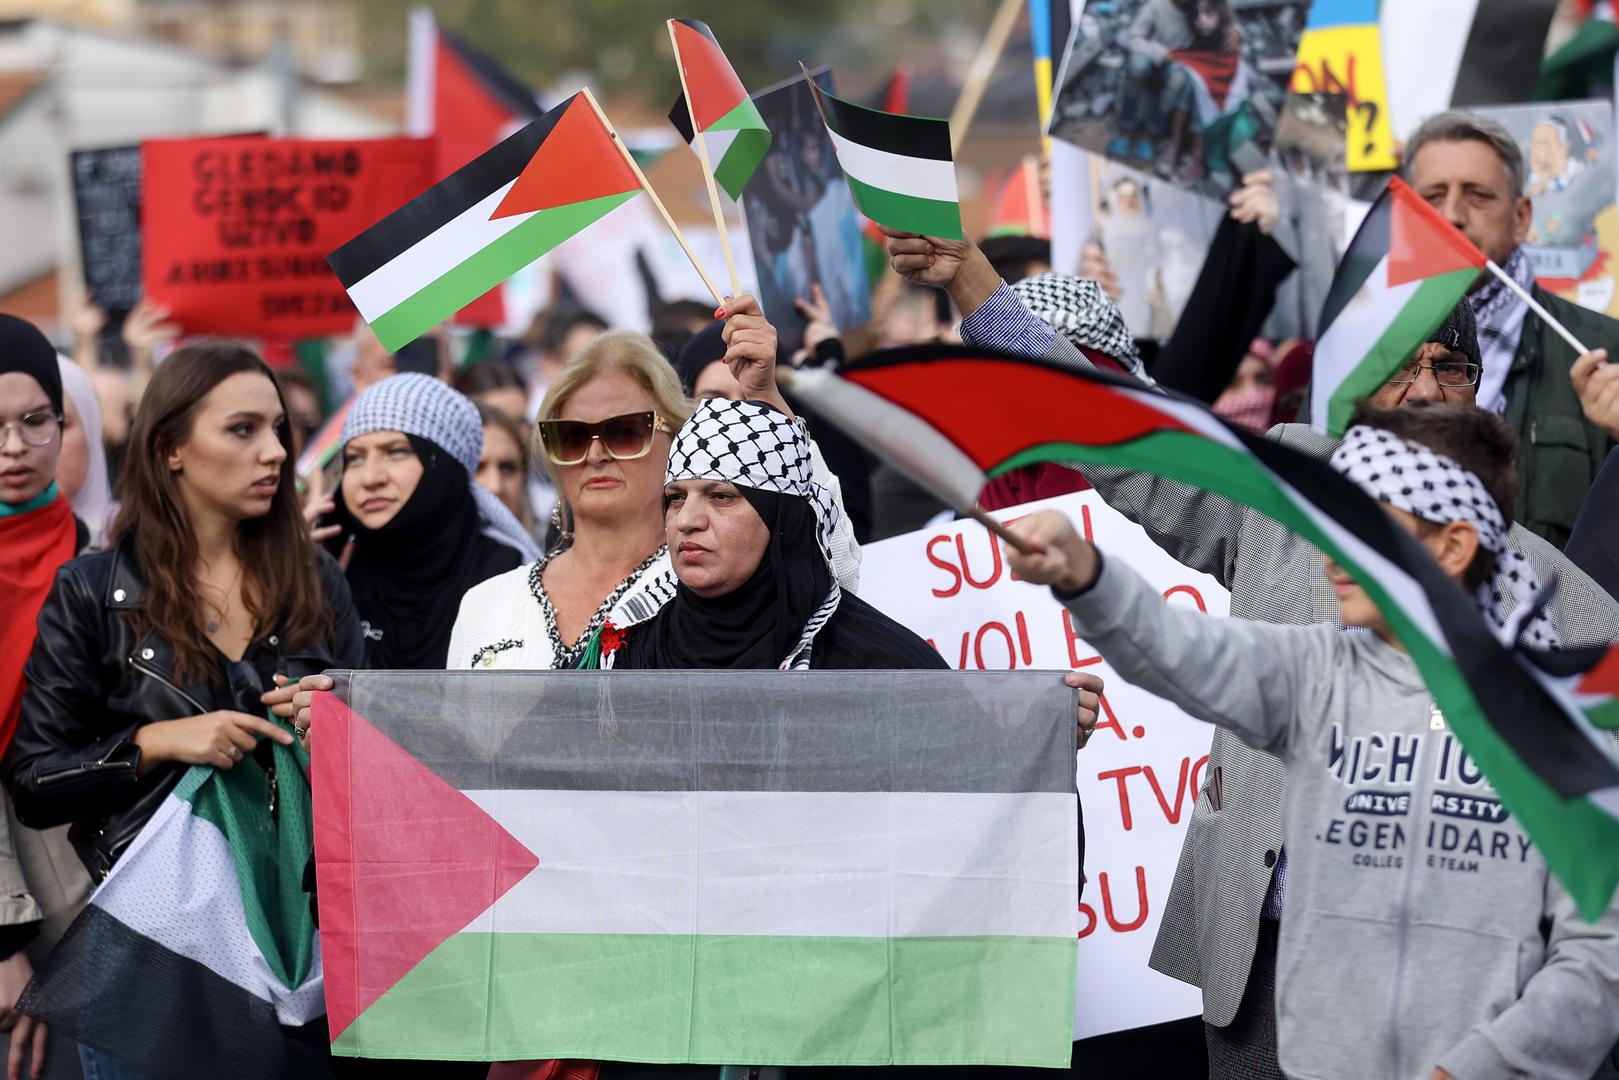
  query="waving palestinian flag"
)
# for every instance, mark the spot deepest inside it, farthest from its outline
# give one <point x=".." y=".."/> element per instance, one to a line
<point x="1529" y="721"/>
<point x="900" y="169"/>
<point x="1403" y="273"/>
<point x="484" y="222"/>
<point x="726" y="118"/>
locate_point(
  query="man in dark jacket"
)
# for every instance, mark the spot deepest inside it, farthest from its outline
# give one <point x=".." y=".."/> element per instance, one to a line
<point x="1470" y="169"/>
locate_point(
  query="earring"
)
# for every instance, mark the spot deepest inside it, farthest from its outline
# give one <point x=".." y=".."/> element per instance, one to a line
<point x="563" y="532"/>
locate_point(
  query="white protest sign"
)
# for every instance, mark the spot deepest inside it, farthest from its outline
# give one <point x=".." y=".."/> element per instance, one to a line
<point x="1140" y="773"/>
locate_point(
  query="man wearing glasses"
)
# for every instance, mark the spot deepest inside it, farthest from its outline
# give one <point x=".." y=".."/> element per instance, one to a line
<point x="1471" y="170"/>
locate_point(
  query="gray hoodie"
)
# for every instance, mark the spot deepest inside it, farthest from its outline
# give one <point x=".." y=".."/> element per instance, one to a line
<point x="1422" y="927"/>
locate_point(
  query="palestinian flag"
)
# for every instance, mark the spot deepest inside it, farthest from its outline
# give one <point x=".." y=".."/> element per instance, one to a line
<point x="474" y="229"/>
<point x="733" y="131"/>
<point x="466" y="102"/>
<point x="462" y="98"/>
<point x="857" y="868"/>
<point x="1404" y="271"/>
<point x="899" y="168"/>
<point x="1528" y="720"/>
<point x="197" y="956"/>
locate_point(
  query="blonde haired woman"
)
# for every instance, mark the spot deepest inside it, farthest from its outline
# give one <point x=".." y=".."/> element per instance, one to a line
<point x="604" y="432"/>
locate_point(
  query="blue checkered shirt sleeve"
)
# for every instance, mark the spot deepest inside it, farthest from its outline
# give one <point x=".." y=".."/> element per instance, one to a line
<point x="1004" y="323"/>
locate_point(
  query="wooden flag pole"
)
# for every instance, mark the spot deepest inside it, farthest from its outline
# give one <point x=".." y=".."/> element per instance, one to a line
<point x="629" y="158"/>
<point x="978" y="76"/>
<point x="1534" y="305"/>
<point x="701" y="146"/>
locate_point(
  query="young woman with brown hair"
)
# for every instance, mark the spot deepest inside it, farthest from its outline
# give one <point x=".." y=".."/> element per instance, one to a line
<point x="164" y="651"/>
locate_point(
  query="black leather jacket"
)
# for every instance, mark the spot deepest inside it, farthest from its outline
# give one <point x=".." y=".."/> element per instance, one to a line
<point x="90" y="684"/>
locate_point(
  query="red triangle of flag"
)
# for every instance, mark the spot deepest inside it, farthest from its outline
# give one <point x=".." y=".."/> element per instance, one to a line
<point x="577" y="161"/>
<point x="1604" y="677"/>
<point x="1422" y="244"/>
<point x="712" y="87"/>
<point x="403" y="861"/>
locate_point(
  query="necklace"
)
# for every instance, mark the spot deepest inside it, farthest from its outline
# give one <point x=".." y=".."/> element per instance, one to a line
<point x="568" y="655"/>
<point x="223" y="612"/>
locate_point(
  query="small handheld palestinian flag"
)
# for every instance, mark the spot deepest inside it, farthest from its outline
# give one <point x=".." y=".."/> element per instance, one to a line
<point x="1406" y="268"/>
<point x="486" y="221"/>
<point x="1528" y="719"/>
<point x="900" y="168"/>
<point x="716" y="106"/>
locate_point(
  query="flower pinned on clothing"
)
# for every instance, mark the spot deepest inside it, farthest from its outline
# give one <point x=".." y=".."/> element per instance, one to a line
<point x="604" y="643"/>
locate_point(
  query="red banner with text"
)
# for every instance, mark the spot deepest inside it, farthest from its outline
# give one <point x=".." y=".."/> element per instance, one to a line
<point x="235" y="232"/>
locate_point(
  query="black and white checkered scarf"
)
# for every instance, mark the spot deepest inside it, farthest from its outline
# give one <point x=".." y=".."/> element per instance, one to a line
<point x="753" y="446"/>
<point x="1500" y="313"/>
<point x="420" y="405"/>
<point x="1080" y="311"/>
<point x="1413" y="478"/>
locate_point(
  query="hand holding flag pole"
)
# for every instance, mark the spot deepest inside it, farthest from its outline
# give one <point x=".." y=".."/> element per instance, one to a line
<point x="629" y="159"/>
<point x="701" y="146"/>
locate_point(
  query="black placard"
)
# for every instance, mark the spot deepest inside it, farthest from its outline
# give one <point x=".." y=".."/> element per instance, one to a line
<point x="107" y="194"/>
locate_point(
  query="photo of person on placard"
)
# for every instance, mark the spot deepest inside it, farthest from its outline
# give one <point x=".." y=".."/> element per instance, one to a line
<point x="1188" y="90"/>
<point x="802" y="223"/>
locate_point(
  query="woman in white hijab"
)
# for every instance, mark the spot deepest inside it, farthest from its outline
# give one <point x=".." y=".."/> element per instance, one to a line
<point x="81" y="472"/>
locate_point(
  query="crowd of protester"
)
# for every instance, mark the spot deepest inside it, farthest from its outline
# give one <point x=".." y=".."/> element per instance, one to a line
<point x="168" y="578"/>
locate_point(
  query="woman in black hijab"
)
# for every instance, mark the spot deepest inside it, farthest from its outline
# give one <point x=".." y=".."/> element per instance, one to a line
<point x="423" y="532"/>
<point x="747" y="531"/>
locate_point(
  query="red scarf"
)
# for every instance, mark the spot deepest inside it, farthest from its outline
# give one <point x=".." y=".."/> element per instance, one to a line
<point x="33" y="546"/>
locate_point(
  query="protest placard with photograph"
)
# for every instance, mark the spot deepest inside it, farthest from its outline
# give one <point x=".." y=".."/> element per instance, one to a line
<point x="1189" y="90"/>
<point x="1154" y="236"/>
<point x="802" y="223"/>
<point x="107" y="201"/>
<point x="1139" y="774"/>
<point x="1574" y="234"/>
<point x="236" y="231"/>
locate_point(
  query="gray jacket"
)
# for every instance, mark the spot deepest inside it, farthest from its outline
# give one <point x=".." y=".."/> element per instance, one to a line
<point x="1423" y="928"/>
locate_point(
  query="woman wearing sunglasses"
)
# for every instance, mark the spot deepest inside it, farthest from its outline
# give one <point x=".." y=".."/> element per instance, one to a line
<point x="604" y="433"/>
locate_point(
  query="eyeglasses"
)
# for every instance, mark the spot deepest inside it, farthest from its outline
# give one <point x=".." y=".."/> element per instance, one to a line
<point x="625" y="438"/>
<point x="36" y="428"/>
<point x="1445" y="373"/>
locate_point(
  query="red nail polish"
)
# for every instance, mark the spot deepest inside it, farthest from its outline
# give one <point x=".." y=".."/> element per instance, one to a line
<point x="719" y="313"/>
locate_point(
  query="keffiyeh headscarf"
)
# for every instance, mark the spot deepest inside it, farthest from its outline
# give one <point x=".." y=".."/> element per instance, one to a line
<point x="771" y="620"/>
<point x="1080" y="311"/>
<point x="1413" y="478"/>
<point x="420" y="405"/>
<point x="1500" y="314"/>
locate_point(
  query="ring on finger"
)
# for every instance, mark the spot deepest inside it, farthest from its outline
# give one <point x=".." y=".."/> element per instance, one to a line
<point x="233" y="752"/>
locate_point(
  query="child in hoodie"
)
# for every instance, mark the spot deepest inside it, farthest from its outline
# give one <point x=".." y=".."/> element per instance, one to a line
<point x="1424" y="937"/>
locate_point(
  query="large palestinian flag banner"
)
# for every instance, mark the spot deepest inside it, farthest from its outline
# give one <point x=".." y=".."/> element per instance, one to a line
<point x="1530" y="722"/>
<point x="492" y="217"/>
<point x="197" y="957"/>
<point x="1406" y="268"/>
<point x="855" y="868"/>
<point x="901" y="170"/>
<point x="733" y="132"/>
